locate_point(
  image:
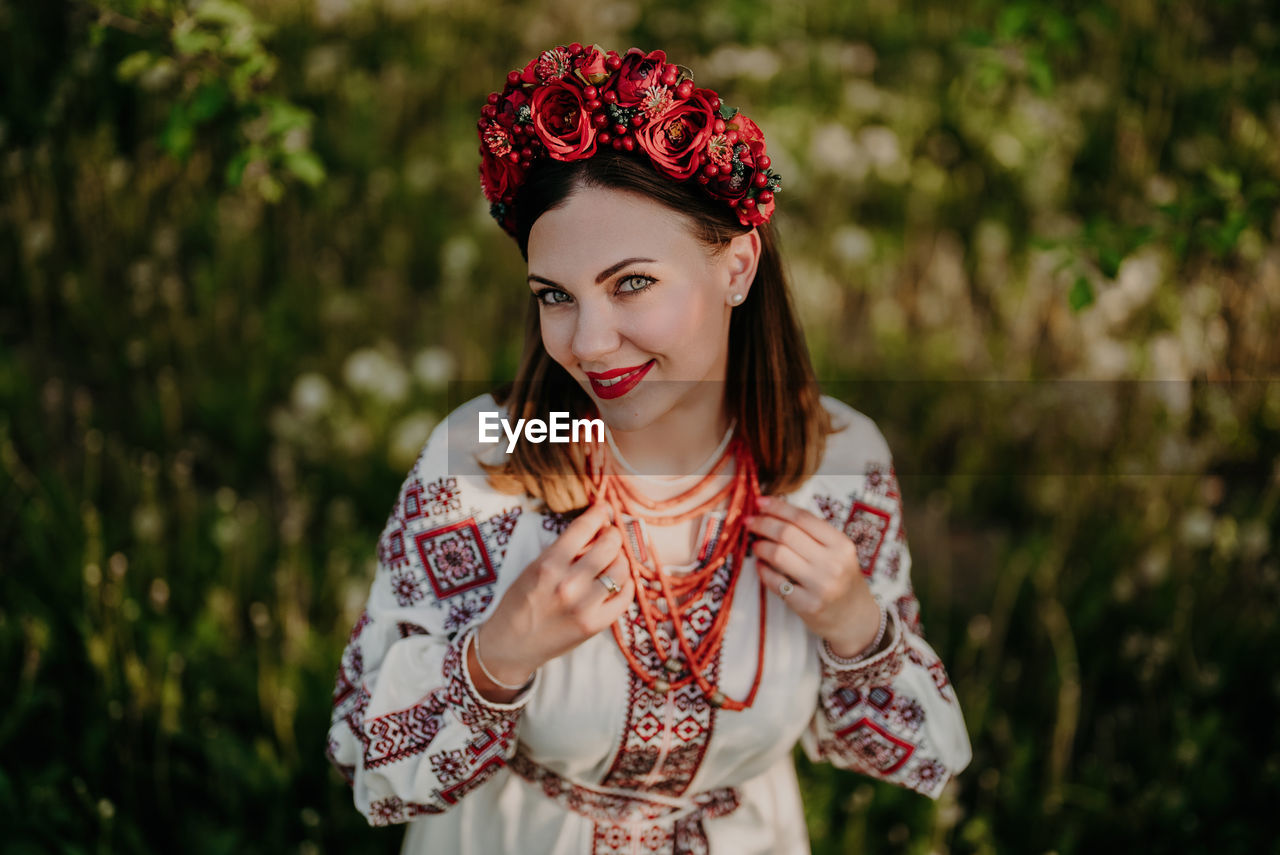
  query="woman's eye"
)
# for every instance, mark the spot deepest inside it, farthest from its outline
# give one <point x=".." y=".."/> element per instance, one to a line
<point x="551" y="297"/>
<point x="642" y="282"/>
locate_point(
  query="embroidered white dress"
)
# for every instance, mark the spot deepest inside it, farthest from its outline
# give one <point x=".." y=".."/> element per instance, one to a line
<point x="587" y="759"/>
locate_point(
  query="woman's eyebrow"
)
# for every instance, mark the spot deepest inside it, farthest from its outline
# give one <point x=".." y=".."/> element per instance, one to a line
<point x="600" y="277"/>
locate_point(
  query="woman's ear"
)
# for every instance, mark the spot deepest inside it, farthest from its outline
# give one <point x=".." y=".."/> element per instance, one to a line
<point x="741" y="259"/>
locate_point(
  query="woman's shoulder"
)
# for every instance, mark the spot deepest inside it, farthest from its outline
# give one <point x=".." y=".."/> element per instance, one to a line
<point x="455" y="441"/>
<point x="857" y="444"/>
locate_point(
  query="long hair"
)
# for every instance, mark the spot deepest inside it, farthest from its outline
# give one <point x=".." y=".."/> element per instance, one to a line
<point x="770" y="386"/>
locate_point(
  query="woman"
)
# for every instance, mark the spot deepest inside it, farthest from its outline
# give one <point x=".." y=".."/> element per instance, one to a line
<point x="613" y="644"/>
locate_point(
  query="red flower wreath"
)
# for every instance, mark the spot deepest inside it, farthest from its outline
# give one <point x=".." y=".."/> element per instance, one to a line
<point x="571" y="100"/>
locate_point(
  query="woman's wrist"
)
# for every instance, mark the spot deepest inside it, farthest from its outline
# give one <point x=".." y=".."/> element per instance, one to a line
<point x="868" y="642"/>
<point x="496" y="679"/>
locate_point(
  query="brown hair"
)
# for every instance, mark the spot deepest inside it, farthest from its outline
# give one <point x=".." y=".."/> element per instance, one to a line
<point x="770" y="386"/>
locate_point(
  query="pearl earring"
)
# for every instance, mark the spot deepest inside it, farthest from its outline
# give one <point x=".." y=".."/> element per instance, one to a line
<point x="736" y="299"/>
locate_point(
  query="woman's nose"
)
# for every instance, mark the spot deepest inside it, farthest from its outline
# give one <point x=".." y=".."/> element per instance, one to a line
<point x="594" y="336"/>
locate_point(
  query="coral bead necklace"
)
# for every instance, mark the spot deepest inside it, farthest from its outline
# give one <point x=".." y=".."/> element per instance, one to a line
<point x="661" y="595"/>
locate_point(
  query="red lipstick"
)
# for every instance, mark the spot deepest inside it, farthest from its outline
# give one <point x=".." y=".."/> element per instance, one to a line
<point x="625" y="379"/>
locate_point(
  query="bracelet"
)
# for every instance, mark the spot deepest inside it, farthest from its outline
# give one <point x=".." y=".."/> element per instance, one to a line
<point x="475" y="642"/>
<point x="866" y="651"/>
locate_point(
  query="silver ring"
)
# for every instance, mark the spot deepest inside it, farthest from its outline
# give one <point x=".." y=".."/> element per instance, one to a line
<point x="610" y="585"/>
<point x="785" y="589"/>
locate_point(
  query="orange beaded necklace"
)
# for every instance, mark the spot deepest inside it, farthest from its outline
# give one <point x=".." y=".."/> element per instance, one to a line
<point x="682" y="593"/>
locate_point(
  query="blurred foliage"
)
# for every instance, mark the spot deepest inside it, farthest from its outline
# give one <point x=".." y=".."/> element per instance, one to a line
<point x="244" y="255"/>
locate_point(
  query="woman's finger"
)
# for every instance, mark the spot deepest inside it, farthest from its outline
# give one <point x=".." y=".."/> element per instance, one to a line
<point x="816" y="527"/>
<point x="784" y="560"/>
<point x="799" y="600"/>
<point x="574" y="539"/>
<point x="787" y="534"/>
<point x="605" y="547"/>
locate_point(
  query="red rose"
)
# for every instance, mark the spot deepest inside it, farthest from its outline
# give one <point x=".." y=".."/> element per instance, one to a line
<point x="562" y="122"/>
<point x="676" y="141"/>
<point x="590" y="65"/>
<point x="499" y="177"/>
<point x="639" y="71"/>
<point x="748" y="131"/>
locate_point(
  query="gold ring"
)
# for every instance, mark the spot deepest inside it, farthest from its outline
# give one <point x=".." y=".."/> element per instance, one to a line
<point x="612" y="586"/>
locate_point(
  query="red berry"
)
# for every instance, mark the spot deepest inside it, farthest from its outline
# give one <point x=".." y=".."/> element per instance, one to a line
<point x="604" y="137"/>
<point x="761" y="179"/>
<point x="719" y="126"/>
<point x="616" y="143"/>
<point x="763" y="161"/>
<point x="629" y="143"/>
<point x="525" y="163"/>
<point x="702" y="179"/>
<point x="765" y="197"/>
<point x="513" y="77"/>
<point x="711" y="170"/>
<point x="494" y="97"/>
<point x="592" y="105"/>
<point x="685" y="89"/>
<point x="619" y="129"/>
<point x="610" y="97"/>
<point x="488" y="111"/>
<point x="670" y="75"/>
<point x="513" y="156"/>
<point x="614" y="62"/>
<point x="732" y="137"/>
<point x="637" y="120"/>
<point x="481" y="124"/>
<point x="575" y="48"/>
<point x="748" y="203"/>
<point x="733" y="203"/>
<point x="589" y="93"/>
<point x="526" y="153"/>
<point x="715" y="102"/>
<point x="599" y="120"/>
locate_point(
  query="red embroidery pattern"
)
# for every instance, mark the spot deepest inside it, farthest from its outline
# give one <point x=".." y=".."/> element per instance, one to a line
<point x="665" y="736"/>
<point x="626" y="824"/>
<point x="870" y="747"/>
<point x="454" y="558"/>
<point x="411" y="731"/>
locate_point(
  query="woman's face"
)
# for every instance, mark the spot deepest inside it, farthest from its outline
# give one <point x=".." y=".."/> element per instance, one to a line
<point x="631" y="301"/>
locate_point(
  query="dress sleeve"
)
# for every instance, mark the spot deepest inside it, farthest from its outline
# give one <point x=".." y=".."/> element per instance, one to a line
<point x="408" y="730"/>
<point x="893" y="715"/>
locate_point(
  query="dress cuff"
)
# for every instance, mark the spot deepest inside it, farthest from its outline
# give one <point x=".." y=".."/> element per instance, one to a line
<point x="888" y="646"/>
<point x="515" y="705"/>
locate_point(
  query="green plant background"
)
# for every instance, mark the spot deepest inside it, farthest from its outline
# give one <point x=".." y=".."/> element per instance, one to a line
<point x="244" y="258"/>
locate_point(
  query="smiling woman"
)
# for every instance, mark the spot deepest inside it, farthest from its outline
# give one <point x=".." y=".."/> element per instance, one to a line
<point x="665" y="612"/>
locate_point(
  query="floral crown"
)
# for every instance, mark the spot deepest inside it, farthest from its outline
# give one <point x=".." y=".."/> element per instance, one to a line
<point x="569" y="101"/>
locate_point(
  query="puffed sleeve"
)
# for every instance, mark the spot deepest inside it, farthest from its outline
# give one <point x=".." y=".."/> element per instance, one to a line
<point x="893" y="715"/>
<point x="409" y="731"/>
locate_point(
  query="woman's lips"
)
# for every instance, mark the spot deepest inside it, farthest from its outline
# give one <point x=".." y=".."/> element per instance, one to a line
<point x="615" y="384"/>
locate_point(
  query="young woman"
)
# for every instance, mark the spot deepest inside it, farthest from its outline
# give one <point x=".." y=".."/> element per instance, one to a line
<point x="613" y="644"/>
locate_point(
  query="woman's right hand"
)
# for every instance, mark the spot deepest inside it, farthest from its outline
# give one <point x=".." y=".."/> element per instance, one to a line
<point x="555" y="604"/>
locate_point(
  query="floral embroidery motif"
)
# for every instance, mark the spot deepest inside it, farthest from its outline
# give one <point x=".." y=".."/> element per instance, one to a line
<point x="454" y="558"/>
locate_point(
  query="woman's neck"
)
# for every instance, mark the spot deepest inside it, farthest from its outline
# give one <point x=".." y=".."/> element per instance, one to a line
<point x="679" y="442"/>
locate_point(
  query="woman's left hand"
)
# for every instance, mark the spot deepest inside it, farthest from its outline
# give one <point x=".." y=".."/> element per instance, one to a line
<point x="829" y="591"/>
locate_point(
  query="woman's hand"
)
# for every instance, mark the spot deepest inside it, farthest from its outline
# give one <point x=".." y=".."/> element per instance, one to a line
<point x="830" y="594"/>
<point x="555" y="604"/>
